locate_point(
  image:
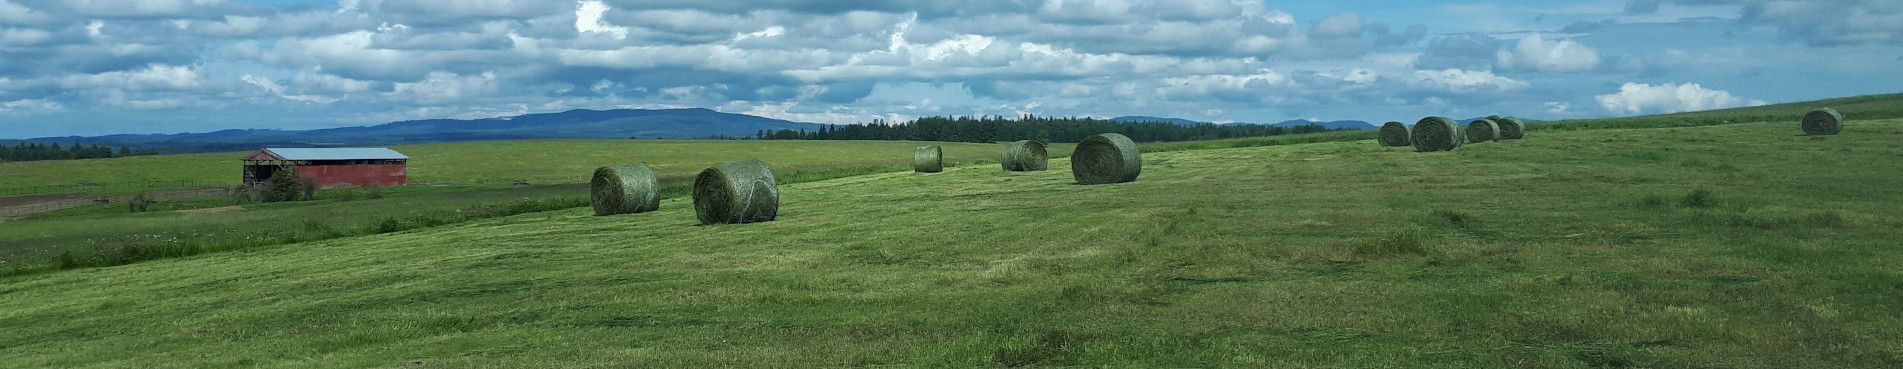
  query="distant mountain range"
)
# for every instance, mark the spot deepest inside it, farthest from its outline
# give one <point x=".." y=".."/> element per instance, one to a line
<point x="1339" y="125"/>
<point x="619" y="123"/>
<point x="581" y="123"/>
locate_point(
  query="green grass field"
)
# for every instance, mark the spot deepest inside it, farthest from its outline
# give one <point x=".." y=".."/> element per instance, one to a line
<point x="457" y="182"/>
<point x="1732" y="246"/>
<point x="482" y="164"/>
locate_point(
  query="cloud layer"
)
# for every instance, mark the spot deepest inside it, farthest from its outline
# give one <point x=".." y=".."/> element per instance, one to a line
<point x="108" y="66"/>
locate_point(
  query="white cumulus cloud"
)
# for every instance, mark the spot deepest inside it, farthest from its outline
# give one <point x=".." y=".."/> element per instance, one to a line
<point x="588" y="19"/>
<point x="1537" y="53"/>
<point x="1645" y="98"/>
<point x="1464" y="81"/>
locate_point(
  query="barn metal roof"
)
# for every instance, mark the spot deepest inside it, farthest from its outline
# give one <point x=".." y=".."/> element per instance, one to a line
<point x="341" y="153"/>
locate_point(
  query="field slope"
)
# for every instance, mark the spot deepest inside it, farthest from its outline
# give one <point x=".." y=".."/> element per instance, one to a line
<point x="1735" y="246"/>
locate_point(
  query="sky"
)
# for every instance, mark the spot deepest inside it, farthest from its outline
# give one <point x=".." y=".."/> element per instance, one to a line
<point x="91" y="67"/>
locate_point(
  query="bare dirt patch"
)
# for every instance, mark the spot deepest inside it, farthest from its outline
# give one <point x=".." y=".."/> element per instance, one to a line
<point x="13" y="207"/>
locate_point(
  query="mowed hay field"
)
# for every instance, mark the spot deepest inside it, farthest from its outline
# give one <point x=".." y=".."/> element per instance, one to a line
<point x="457" y="181"/>
<point x="1736" y="246"/>
<point x="482" y="163"/>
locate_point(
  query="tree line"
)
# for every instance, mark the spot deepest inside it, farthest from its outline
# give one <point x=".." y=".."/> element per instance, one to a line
<point x="27" y="151"/>
<point x="1028" y="127"/>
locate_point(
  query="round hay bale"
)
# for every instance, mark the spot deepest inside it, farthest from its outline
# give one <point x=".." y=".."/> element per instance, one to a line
<point x="1511" y="128"/>
<point x="1394" y="134"/>
<point x="1106" y="158"/>
<point x="928" y="159"/>
<point x="1435" y="134"/>
<point x="737" y="192"/>
<point x="625" y="189"/>
<point x="1823" y="122"/>
<point x="1482" y="130"/>
<point x="1025" y="156"/>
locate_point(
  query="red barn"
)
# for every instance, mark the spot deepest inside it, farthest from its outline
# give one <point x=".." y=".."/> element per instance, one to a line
<point x="332" y="167"/>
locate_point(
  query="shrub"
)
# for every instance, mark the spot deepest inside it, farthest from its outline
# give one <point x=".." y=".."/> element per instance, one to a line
<point x="140" y="203"/>
<point x="283" y="185"/>
<point x="389" y="225"/>
<point x="307" y="188"/>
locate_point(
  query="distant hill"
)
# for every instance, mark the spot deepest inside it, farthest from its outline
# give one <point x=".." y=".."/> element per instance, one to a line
<point x="619" y="123"/>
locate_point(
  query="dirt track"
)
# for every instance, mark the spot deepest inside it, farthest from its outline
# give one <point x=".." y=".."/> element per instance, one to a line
<point x="14" y="207"/>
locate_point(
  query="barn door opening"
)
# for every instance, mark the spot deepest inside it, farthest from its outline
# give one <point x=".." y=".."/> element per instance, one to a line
<point x="255" y="174"/>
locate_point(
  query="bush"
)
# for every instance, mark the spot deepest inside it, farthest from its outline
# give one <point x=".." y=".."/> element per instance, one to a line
<point x="307" y="188"/>
<point x="282" y="186"/>
<point x="140" y="203"/>
<point x="389" y="225"/>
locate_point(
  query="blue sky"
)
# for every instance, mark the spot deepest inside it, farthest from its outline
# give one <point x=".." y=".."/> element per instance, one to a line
<point x="87" y="67"/>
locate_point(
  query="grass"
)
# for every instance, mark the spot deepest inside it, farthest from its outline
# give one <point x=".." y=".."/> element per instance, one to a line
<point x="100" y="234"/>
<point x="1319" y="255"/>
<point x="1871" y="107"/>
<point x="478" y="164"/>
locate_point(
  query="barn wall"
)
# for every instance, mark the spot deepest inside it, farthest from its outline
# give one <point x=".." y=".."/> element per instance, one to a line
<point x="355" y="175"/>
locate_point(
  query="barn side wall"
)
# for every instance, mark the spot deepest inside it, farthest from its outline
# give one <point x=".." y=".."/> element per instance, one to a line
<point x="355" y="175"/>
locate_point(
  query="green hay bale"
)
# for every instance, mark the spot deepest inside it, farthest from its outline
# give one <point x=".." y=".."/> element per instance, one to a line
<point x="1435" y="134"/>
<point x="1823" y="122"/>
<point x="1106" y="158"/>
<point x="625" y="189"/>
<point x="737" y="192"/>
<point x="1025" y="156"/>
<point x="1394" y="134"/>
<point x="1511" y="128"/>
<point x="928" y="159"/>
<point x="1482" y="130"/>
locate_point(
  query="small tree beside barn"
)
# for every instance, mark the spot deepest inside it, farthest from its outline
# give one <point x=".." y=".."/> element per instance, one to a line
<point x="330" y="167"/>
